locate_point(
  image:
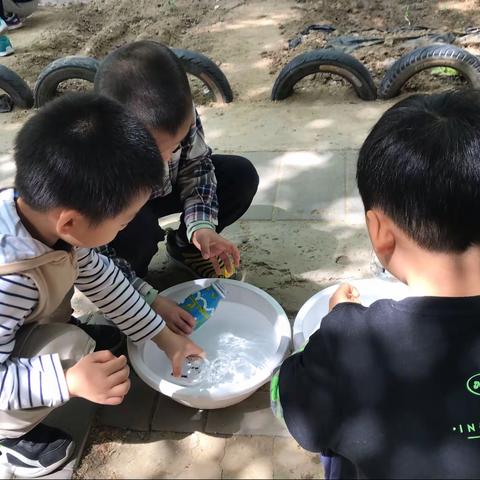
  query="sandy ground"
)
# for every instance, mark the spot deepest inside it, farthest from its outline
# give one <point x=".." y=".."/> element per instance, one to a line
<point x="291" y="246"/>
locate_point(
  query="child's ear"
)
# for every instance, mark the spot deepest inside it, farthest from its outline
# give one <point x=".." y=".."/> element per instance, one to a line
<point x="67" y="222"/>
<point x="381" y="233"/>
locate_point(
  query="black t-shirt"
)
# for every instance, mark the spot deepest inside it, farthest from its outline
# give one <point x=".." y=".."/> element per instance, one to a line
<point x="393" y="389"/>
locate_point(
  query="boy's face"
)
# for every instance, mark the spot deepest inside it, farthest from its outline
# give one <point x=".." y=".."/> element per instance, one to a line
<point x="76" y="229"/>
<point x="167" y="143"/>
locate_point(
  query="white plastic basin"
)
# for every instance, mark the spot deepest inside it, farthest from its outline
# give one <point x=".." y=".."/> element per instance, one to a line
<point x="312" y="312"/>
<point x="249" y="330"/>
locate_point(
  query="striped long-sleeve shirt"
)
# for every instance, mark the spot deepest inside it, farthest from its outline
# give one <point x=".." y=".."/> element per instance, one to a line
<point x="40" y="381"/>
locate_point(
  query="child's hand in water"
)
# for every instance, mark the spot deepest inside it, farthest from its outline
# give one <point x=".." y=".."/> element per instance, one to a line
<point x="177" y="319"/>
<point x="344" y="293"/>
<point x="177" y="348"/>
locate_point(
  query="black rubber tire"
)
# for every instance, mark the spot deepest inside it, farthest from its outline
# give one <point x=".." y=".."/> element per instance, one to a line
<point x="324" y="61"/>
<point x="22" y="9"/>
<point x="60" y="70"/>
<point x="16" y="88"/>
<point x="428" y="57"/>
<point x="204" y="69"/>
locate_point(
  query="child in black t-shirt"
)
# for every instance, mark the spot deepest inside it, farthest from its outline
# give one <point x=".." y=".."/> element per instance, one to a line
<point x="393" y="390"/>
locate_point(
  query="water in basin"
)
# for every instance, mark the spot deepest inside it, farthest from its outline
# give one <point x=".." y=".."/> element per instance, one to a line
<point x="245" y="340"/>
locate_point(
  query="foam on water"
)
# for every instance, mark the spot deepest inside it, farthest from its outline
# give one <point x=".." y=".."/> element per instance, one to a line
<point x="238" y="348"/>
<point x="237" y="360"/>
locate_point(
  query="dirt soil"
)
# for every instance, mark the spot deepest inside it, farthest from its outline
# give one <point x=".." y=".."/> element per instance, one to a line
<point x="99" y="26"/>
<point x="256" y="33"/>
<point x="394" y="22"/>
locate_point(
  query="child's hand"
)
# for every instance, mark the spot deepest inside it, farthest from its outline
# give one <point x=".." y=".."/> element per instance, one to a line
<point x="177" y="348"/>
<point x="100" y="377"/>
<point x="178" y="320"/>
<point x="214" y="246"/>
<point x="344" y="293"/>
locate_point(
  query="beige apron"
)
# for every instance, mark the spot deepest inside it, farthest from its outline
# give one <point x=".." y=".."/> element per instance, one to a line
<point x="46" y="330"/>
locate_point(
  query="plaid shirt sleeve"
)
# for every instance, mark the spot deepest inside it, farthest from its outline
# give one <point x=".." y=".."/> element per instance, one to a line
<point x="140" y="285"/>
<point x="196" y="180"/>
<point x="120" y="263"/>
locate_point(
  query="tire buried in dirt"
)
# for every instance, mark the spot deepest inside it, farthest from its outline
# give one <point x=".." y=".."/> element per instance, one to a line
<point x="207" y="71"/>
<point x="324" y="61"/>
<point x="428" y="57"/>
<point x="67" y="68"/>
<point x="18" y="90"/>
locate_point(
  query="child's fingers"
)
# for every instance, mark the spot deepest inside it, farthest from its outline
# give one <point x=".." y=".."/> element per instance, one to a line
<point x="226" y="261"/>
<point x="173" y="327"/>
<point x="184" y="328"/>
<point x="344" y="293"/>
<point x="235" y="253"/>
<point x="177" y="365"/>
<point x="341" y="294"/>
<point x="216" y="266"/>
<point x="205" y="250"/>
<point x="195" y="350"/>
<point x="120" y="390"/>
<point x="119" y="377"/>
<point x="354" y="293"/>
<point x="345" y="288"/>
<point x="102" y="356"/>
<point x="187" y="318"/>
<point x="116" y="364"/>
<point x="113" y="401"/>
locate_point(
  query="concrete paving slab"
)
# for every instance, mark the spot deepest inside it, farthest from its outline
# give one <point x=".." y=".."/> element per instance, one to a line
<point x="171" y="416"/>
<point x="292" y="461"/>
<point x="7" y="170"/>
<point x="248" y="457"/>
<point x="354" y="205"/>
<point x="9" y="127"/>
<point x="291" y="125"/>
<point x="65" y="473"/>
<point x="268" y="168"/>
<point x="253" y="416"/>
<point x="292" y="260"/>
<point x="136" y="410"/>
<point x="312" y="186"/>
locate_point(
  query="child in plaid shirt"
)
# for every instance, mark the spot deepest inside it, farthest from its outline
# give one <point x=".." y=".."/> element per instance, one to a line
<point x="211" y="191"/>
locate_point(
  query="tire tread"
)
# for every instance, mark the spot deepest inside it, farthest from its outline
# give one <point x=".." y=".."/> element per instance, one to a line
<point x="427" y="57"/>
<point x="307" y="63"/>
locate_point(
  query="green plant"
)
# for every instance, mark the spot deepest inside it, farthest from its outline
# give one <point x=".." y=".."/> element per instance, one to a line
<point x="444" y="72"/>
<point x="407" y="15"/>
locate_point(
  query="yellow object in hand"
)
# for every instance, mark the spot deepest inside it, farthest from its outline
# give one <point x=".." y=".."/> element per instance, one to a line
<point x="226" y="273"/>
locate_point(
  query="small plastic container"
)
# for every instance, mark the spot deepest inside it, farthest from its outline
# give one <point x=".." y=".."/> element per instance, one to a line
<point x="203" y="303"/>
<point x="193" y="371"/>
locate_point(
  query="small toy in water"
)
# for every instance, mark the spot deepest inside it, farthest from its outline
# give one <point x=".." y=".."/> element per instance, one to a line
<point x="203" y="303"/>
<point x="193" y="371"/>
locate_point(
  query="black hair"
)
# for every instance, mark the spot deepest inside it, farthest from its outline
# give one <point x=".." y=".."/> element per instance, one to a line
<point x="85" y="152"/>
<point x="149" y="80"/>
<point x="420" y="164"/>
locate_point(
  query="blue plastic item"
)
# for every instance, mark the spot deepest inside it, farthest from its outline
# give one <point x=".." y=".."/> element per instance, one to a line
<point x="204" y="302"/>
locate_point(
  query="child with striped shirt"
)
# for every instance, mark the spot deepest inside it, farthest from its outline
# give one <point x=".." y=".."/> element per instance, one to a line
<point x="84" y="168"/>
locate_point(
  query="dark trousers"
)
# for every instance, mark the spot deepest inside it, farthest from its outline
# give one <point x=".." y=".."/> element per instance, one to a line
<point x="237" y="183"/>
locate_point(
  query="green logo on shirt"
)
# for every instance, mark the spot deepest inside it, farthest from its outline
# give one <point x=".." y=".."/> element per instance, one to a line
<point x="473" y="384"/>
